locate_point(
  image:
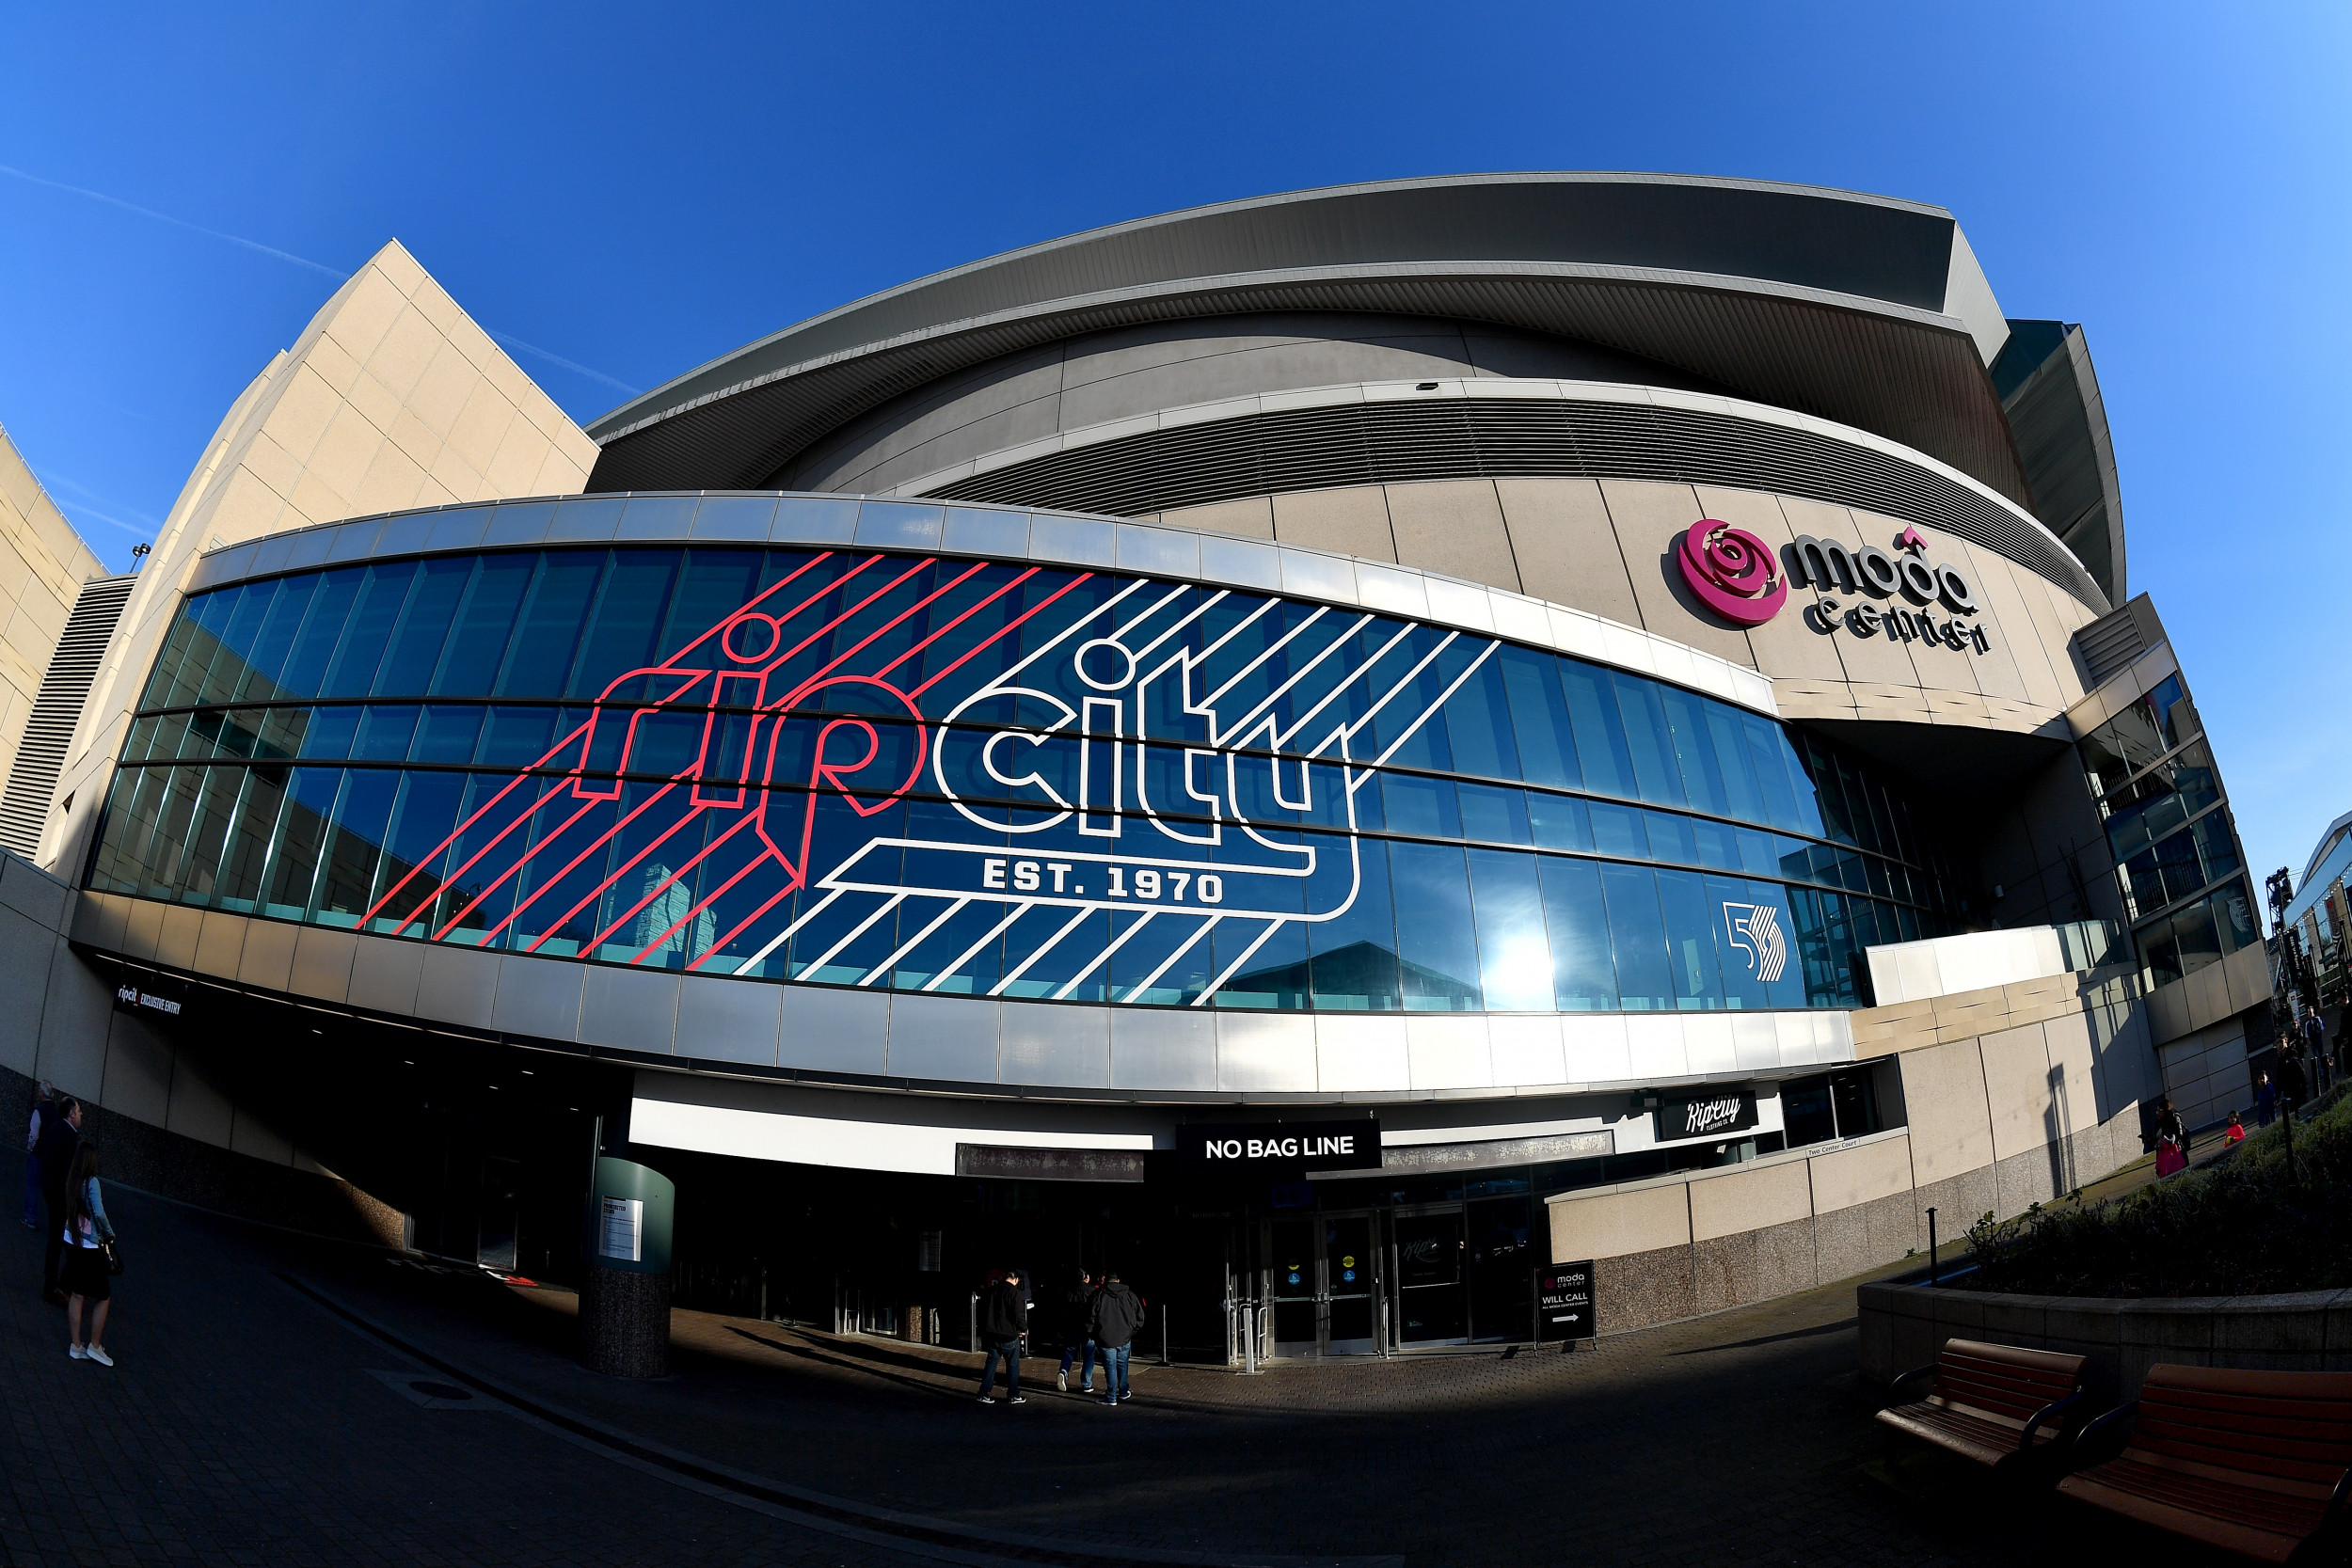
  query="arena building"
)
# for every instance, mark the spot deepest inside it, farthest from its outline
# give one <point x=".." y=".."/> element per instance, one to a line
<point x="1328" y="751"/>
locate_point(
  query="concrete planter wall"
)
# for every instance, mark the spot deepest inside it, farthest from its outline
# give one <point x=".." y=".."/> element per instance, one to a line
<point x="1903" y="1327"/>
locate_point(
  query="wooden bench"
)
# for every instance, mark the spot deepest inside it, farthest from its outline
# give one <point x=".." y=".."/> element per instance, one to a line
<point x="1991" y="1403"/>
<point x="2254" y="1462"/>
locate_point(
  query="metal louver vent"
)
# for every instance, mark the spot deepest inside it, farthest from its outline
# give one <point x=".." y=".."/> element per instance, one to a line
<point x="1377" y="443"/>
<point x="49" y="729"/>
<point x="2112" y="641"/>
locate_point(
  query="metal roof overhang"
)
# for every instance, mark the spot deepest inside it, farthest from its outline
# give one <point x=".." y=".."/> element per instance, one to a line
<point x="1823" y="302"/>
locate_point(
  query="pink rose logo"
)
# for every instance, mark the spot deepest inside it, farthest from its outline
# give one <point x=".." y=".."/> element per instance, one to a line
<point x="1731" y="571"/>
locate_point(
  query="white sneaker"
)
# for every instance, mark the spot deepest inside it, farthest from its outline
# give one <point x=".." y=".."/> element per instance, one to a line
<point x="76" y="1351"/>
<point x="1061" y="1381"/>
<point x="98" y="1353"/>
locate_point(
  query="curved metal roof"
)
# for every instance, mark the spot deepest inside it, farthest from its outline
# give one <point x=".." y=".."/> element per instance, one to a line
<point x="1859" y="308"/>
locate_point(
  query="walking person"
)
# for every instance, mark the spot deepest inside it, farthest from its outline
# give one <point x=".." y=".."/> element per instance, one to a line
<point x="61" y="1134"/>
<point x="2172" y="1140"/>
<point x="2294" y="1087"/>
<point x="2315" y="1046"/>
<point x="44" y="1099"/>
<point x="1077" y="1306"/>
<point x="1116" y="1316"/>
<point x="1004" y="1321"/>
<point x="2266" y="1100"/>
<point x="87" y="1279"/>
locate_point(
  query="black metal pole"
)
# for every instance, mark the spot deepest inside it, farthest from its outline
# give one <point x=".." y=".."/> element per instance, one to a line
<point x="1932" y="1268"/>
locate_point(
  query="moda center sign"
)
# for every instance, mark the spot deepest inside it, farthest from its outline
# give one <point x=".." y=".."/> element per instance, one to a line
<point x="1731" y="571"/>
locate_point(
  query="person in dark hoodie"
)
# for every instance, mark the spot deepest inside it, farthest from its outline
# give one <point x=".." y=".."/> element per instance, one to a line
<point x="1004" y="1319"/>
<point x="1115" y="1318"/>
<point x="1077" y="1306"/>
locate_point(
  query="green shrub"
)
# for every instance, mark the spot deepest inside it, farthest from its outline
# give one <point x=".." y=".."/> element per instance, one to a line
<point x="2248" y="1226"/>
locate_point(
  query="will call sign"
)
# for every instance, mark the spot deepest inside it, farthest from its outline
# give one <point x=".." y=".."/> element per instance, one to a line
<point x="1731" y="571"/>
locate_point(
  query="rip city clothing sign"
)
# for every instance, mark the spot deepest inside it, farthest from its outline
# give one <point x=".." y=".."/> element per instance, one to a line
<point x="1706" y="1116"/>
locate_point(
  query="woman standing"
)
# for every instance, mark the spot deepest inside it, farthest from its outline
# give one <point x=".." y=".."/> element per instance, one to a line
<point x="84" y="1276"/>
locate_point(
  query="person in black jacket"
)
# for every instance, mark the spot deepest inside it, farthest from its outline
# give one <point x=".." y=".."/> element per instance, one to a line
<point x="1118" y="1314"/>
<point x="1077" y="1306"/>
<point x="1004" y="1320"/>
<point x="60" y="1134"/>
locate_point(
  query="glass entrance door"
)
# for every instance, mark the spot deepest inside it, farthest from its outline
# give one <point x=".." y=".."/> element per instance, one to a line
<point x="1501" y="1269"/>
<point x="1348" y="1276"/>
<point x="1430" y="1304"/>
<point x="1322" y="1281"/>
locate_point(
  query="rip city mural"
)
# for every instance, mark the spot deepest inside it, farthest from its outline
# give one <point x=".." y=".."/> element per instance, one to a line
<point x="959" y="777"/>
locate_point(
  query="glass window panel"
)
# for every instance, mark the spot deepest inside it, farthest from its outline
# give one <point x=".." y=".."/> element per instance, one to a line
<point x="1478" y="725"/>
<point x="1637" y="938"/>
<point x="1513" y="956"/>
<point x="1743" y="946"/>
<point x="414" y="650"/>
<point x="1539" y="718"/>
<point x="1657" y="778"/>
<point x="1276" y="974"/>
<point x="1779" y="964"/>
<point x="369" y="631"/>
<point x="386" y="733"/>
<point x="1805" y="1111"/>
<point x="713" y="584"/>
<point x="247" y="860"/>
<point x="1670" y="838"/>
<point x="1415" y="805"/>
<point x="1690" y="924"/>
<point x="321" y="629"/>
<point x="556" y="890"/>
<point x="329" y="732"/>
<point x="1354" y="955"/>
<point x="2234" y="918"/>
<point x="520" y="737"/>
<point x="1603" y="755"/>
<point x="302" y="826"/>
<point x="1576" y="920"/>
<point x="1695" y="750"/>
<point x="422" y="820"/>
<point x="138" y="795"/>
<point x="1744" y="797"/>
<point x="1758" y="852"/>
<point x="548" y="632"/>
<point x="625" y="629"/>
<point x="166" y="862"/>
<point x="447" y="733"/>
<point x="1493" y="814"/>
<point x="476" y="648"/>
<point x="1438" y="944"/>
<point x="105" y="874"/>
<point x="1619" y="830"/>
<point x="1780" y="773"/>
<point x="2216" y="847"/>
<point x="207" y="839"/>
<point x="347" y="872"/>
<point x="1559" y="821"/>
<point x="2199" y="942"/>
<point x="257" y="679"/>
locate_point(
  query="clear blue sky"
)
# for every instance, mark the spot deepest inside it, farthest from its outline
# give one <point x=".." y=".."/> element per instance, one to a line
<point x="636" y="189"/>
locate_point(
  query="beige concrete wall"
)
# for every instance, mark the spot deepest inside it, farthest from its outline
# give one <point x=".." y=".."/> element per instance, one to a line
<point x="1608" y="546"/>
<point x="1619" y="1224"/>
<point x="43" y="564"/>
<point x="61" y="1024"/>
<point x="392" y="397"/>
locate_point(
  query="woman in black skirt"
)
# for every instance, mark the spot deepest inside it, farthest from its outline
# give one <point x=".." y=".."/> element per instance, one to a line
<point x="84" y="1277"/>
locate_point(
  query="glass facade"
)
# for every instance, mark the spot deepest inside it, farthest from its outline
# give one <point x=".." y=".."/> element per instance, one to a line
<point x="918" y="773"/>
<point x="2175" y="852"/>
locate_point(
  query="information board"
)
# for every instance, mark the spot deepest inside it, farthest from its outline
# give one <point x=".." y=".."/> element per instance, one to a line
<point x="1564" y="1302"/>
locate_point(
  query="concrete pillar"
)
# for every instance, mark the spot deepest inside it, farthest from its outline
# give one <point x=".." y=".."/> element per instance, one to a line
<point x="625" y="1286"/>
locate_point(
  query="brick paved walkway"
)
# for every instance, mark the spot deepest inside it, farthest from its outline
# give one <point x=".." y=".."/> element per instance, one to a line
<point x="250" y="1422"/>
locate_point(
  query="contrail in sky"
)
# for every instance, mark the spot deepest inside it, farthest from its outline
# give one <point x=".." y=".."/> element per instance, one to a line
<point x="270" y="250"/>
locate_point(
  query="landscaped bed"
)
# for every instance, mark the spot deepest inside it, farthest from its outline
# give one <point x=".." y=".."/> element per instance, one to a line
<point x="2254" y="1223"/>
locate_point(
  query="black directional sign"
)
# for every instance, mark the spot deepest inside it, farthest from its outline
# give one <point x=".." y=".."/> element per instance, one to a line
<point x="1564" y="1302"/>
